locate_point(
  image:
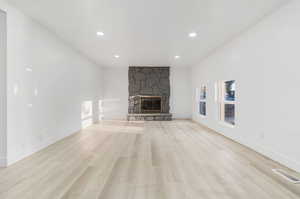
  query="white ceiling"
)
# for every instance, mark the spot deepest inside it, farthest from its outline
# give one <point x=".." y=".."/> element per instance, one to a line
<point x="146" y="32"/>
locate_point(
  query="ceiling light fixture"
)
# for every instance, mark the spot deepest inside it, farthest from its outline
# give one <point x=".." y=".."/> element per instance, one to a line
<point x="117" y="56"/>
<point x="28" y="69"/>
<point x="193" y="34"/>
<point x="100" y="33"/>
<point x="177" y="57"/>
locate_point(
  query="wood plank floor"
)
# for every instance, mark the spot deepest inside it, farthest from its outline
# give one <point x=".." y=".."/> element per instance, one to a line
<point x="145" y="160"/>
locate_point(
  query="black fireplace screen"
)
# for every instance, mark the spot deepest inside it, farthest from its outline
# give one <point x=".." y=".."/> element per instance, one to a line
<point x="151" y="104"/>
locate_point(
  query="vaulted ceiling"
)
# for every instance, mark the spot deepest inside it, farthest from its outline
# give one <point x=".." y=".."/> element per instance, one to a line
<point x="146" y="32"/>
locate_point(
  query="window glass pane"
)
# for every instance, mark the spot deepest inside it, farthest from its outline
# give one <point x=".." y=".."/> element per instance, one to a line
<point x="230" y="91"/>
<point x="86" y="109"/>
<point x="229" y="115"/>
<point x="203" y="93"/>
<point x="202" y="108"/>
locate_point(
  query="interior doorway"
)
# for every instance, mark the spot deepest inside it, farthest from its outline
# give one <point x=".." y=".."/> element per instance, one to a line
<point x="3" y="88"/>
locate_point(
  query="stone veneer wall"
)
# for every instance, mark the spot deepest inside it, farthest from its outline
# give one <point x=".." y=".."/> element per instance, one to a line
<point x="150" y="81"/>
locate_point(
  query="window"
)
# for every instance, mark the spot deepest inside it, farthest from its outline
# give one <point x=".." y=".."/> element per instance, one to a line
<point x="86" y="114"/>
<point x="227" y="102"/>
<point x="202" y="101"/>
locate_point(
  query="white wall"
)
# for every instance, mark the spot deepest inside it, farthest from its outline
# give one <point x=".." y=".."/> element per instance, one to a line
<point x="265" y="64"/>
<point x="116" y="93"/>
<point x="181" y="93"/>
<point x="2" y="89"/>
<point x="44" y="104"/>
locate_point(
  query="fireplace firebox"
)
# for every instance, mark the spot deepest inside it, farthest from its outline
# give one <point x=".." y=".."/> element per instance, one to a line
<point x="150" y="104"/>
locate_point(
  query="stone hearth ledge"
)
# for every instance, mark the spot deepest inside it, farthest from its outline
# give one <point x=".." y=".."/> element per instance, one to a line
<point x="150" y="117"/>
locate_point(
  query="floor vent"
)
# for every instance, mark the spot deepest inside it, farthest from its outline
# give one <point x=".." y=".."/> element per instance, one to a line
<point x="286" y="176"/>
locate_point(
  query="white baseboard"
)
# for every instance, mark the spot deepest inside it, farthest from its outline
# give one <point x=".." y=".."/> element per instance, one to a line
<point x="278" y="157"/>
<point x="3" y="162"/>
<point x="270" y="153"/>
<point x="37" y="148"/>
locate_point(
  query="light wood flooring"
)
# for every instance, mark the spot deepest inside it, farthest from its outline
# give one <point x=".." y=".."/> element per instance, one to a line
<point x="145" y="160"/>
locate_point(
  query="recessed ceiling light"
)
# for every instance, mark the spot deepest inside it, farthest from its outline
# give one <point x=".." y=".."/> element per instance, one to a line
<point x="28" y="69"/>
<point x="177" y="57"/>
<point x="193" y="34"/>
<point x="117" y="56"/>
<point x="100" y="33"/>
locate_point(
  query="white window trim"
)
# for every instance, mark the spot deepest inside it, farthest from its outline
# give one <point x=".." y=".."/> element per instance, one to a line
<point x="226" y="124"/>
<point x="222" y="102"/>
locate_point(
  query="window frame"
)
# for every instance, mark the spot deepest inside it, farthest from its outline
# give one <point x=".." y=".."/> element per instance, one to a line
<point x="203" y="100"/>
<point x="223" y="102"/>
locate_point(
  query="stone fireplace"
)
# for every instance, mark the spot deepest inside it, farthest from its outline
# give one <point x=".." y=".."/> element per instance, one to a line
<point x="149" y="93"/>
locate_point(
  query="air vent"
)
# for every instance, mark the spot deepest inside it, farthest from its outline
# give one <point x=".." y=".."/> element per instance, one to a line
<point x="286" y="176"/>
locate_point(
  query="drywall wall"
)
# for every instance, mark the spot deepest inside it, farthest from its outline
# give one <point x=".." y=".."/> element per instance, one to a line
<point x="115" y="93"/>
<point x="264" y="61"/>
<point x="115" y="100"/>
<point x="181" y="93"/>
<point x="3" y="106"/>
<point x="47" y="83"/>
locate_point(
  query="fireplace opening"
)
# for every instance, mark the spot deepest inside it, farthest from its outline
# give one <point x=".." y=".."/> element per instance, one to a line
<point x="150" y="104"/>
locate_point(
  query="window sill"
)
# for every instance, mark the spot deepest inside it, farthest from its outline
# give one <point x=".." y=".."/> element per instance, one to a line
<point x="203" y="116"/>
<point x="227" y="124"/>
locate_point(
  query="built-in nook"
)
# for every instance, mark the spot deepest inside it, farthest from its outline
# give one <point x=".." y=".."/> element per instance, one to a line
<point x="149" y="93"/>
